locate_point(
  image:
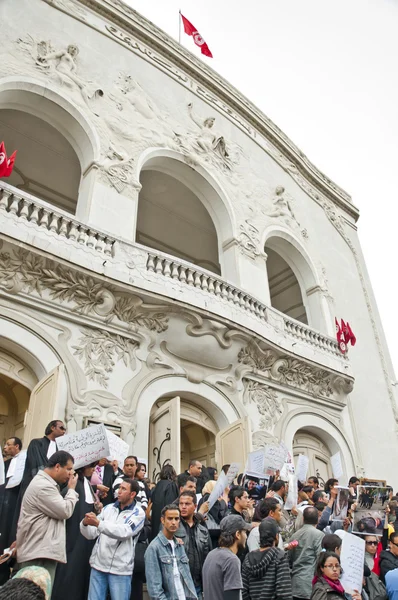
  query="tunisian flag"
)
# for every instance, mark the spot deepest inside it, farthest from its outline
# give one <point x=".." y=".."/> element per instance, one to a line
<point x="6" y="164"/>
<point x="197" y="38"/>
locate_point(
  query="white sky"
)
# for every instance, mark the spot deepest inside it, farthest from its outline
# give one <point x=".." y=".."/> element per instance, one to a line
<point x="325" y="71"/>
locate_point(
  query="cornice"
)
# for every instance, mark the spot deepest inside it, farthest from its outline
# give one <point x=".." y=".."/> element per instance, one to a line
<point x="143" y="30"/>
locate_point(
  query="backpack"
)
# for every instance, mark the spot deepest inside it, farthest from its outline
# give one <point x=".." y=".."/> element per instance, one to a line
<point x="376" y="588"/>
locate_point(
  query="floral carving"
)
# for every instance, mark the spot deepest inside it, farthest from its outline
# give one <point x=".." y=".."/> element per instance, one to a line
<point x="268" y="403"/>
<point x="100" y="350"/>
<point x="23" y="271"/>
<point x="287" y="370"/>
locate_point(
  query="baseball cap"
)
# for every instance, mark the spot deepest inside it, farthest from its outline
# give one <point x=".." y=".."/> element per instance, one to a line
<point x="233" y="523"/>
<point x="268" y="527"/>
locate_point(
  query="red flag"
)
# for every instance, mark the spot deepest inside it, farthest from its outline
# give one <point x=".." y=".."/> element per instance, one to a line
<point x="197" y="38"/>
<point x="344" y="329"/>
<point x="10" y="164"/>
<point x="6" y="164"/>
<point x="353" y="339"/>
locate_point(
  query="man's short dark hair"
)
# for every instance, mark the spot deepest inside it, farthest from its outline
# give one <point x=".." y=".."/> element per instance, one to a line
<point x="193" y="462"/>
<point x="278" y="485"/>
<point x="131" y="456"/>
<point x="235" y="492"/>
<point x="317" y="495"/>
<point x="60" y="458"/>
<point x="307" y="489"/>
<point x="393" y="536"/>
<point x="330" y="483"/>
<point x="191" y="494"/>
<point x="183" y="479"/>
<point x="169" y="507"/>
<point x="50" y="426"/>
<point x="133" y="483"/>
<point x="17" y="442"/>
<point x="331" y="541"/>
<point x="353" y="480"/>
<point x="314" y="479"/>
<point x="264" y="507"/>
<point x="21" y="589"/>
<point x="310" y="515"/>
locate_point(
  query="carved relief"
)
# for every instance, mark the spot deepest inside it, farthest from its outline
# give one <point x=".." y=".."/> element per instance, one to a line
<point x="22" y="271"/>
<point x="261" y="438"/>
<point x="282" y="210"/>
<point x="249" y="240"/>
<point x="269" y="404"/>
<point x="100" y="350"/>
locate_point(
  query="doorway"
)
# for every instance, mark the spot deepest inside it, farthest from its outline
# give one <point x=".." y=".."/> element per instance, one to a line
<point x="14" y="403"/>
<point x="318" y="453"/>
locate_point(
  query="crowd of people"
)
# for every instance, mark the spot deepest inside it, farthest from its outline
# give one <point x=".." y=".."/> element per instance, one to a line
<point x="105" y="530"/>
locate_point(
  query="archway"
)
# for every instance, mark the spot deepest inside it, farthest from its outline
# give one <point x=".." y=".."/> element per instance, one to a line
<point x="284" y="288"/>
<point x="47" y="166"/>
<point x="318" y="454"/>
<point x="171" y="218"/>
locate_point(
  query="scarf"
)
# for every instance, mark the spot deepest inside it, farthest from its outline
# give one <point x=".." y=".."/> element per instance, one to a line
<point x="335" y="585"/>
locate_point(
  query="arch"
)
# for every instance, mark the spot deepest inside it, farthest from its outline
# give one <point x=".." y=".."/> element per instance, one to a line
<point x="201" y="185"/>
<point x="27" y="95"/>
<point x="210" y="399"/>
<point x="286" y="245"/>
<point x="322" y="427"/>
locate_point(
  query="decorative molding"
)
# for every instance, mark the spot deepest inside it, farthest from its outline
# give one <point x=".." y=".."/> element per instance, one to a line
<point x="267" y="401"/>
<point x="23" y="271"/>
<point x="101" y="350"/>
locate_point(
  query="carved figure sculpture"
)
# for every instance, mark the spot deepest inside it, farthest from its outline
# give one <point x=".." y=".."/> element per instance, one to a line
<point x="207" y="141"/>
<point x="281" y="208"/>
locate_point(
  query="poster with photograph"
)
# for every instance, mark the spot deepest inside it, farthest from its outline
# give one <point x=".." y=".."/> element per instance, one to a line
<point x="370" y="513"/>
<point x="373" y="482"/>
<point x="340" y="507"/>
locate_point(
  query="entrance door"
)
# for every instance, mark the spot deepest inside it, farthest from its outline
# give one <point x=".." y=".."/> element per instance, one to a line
<point x="164" y="438"/>
<point x="318" y="455"/>
<point x="42" y="404"/>
<point x="232" y="443"/>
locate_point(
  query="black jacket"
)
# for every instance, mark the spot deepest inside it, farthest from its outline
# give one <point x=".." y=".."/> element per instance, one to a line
<point x="388" y="562"/>
<point x="202" y="542"/>
<point x="266" y="575"/>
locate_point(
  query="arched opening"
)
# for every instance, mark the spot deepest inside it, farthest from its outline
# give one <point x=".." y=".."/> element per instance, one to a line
<point x="14" y="403"/>
<point x="47" y="165"/>
<point x="197" y="442"/>
<point x="318" y="453"/>
<point x="172" y="218"/>
<point x="285" y="291"/>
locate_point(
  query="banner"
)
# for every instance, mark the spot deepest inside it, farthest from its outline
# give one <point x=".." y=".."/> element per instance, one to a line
<point x="292" y="493"/>
<point x="232" y="472"/>
<point x="352" y="559"/>
<point x="218" y="490"/>
<point x="255" y="465"/>
<point x="302" y="468"/>
<point x="86" y="446"/>
<point x="275" y="456"/>
<point x="118" y="449"/>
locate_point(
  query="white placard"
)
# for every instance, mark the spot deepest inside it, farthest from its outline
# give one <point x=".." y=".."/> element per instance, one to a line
<point x="255" y="464"/>
<point x="292" y="493"/>
<point x="337" y="466"/>
<point x="16" y="478"/>
<point x="86" y="446"/>
<point x="288" y="467"/>
<point x="118" y="449"/>
<point x="275" y="456"/>
<point x="352" y="559"/>
<point x="340" y="506"/>
<point x="232" y="472"/>
<point x="302" y="468"/>
<point x="218" y="490"/>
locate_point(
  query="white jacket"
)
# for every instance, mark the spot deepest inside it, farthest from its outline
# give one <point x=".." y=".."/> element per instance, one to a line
<point x="117" y="534"/>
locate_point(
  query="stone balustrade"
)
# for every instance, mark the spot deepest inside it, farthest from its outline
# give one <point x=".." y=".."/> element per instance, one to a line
<point x="39" y="213"/>
<point x="310" y="336"/>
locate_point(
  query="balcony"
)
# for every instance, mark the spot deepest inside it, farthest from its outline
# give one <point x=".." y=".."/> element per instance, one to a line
<point x="29" y="220"/>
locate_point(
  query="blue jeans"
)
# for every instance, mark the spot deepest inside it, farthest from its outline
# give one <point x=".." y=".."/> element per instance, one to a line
<point x="119" y="586"/>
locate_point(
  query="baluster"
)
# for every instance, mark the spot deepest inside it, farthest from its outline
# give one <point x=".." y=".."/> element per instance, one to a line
<point x="211" y="285"/>
<point x="174" y="270"/>
<point x="73" y="233"/>
<point x="224" y="291"/>
<point x="25" y="209"/>
<point x="108" y="247"/>
<point x="217" y="288"/>
<point x="190" y="277"/>
<point x="150" y="265"/>
<point x="53" y="223"/>
<point x="236" y="297"/>
<point x="82" y="235"/>
<point x="197" y="282"/>
<point x="14" y="205"/>
<point x="91" y="239"/>
<point x="34" y="217"/>
<point x="44" y="219"/>
<point x="4" y="200"/>
<point x="166" y="269"/>
<point x="205" y="285"/>
<point x="183" y="274"/>
<point x="63" y="230"/>
<point x="158" y="265"/>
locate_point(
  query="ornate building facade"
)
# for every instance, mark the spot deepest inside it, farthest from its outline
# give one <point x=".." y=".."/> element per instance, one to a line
<point x="171" y="263"/>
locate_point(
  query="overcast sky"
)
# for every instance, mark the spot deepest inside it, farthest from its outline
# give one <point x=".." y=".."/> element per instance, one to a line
<point x="325" y="71"/>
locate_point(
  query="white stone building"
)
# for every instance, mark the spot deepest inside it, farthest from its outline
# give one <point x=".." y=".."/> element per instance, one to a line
<point x="171" y="263"/>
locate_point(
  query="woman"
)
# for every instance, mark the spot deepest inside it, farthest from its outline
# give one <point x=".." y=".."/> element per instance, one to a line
<point x="217" y="512"/>
<point x="165" y="492"/>
<point x="72" y="579"/>
<point x="140" y="477"/>
<point x="213" y="474"/>
<point x="326" y="584"/>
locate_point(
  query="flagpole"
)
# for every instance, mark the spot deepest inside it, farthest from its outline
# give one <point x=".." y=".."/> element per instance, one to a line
<point x="179" y="26"/>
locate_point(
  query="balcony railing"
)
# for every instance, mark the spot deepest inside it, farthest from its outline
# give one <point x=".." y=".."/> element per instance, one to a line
<point x="44" y="215"/>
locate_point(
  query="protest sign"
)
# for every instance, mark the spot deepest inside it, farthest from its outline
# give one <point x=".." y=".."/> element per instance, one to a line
<point x="118" y="449"/>
<point x="218" y="490"/>
<point x="302" y="468"/>
<point x="255" y="464"/>
<point x="86" y="446"/>
<point x="232" y="472"/>
<point x="370" y="512"/>
<point x="292" y="493"/>
<point x="340" y="507"/>
<point x="337" y="466"/>
<point x="352" y="559"/>
<point x="288" y="467"/>
<point x="275" y="456"/>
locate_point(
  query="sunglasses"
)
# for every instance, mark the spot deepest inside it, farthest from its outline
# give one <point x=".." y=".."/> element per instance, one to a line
<point x="393" y="543"/>
<point x="373" y="543"/>
<point x="63" y="428"/>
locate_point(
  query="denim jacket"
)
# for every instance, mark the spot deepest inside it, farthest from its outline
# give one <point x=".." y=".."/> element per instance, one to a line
<point x="159" y="570"/>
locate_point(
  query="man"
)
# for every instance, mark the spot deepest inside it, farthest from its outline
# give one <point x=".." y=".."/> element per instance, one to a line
<point x="166" y="563"/>
<point x="280" y="490"/>
<point x="106" y="474"/>
<point x="186" y="483"/>
<point x="389" y="558"/>
<point x="41" y="525"/>
<point x="392" y="584"/>
<point x="305" y="555"/>
<point x="129" y="469"/>
<point x="320" y="496"/>
<point x="195" y="536"/>
<point x="266" y="572"/>
<point x="353" y="485"/>
<point x="195" y="469"/>
<point x="313" y="482"/>
<point x="8" y="497"/>
<point x="268" y="508"/>
<point x="255" y="490"/>
<point x="116" y="530"/>
<point x="221" y="571"/>
<point x="240" y="502"/>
